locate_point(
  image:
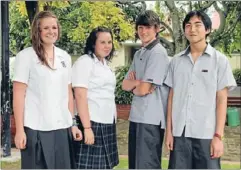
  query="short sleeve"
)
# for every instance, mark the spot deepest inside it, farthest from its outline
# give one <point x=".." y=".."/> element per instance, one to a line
<point x="169" y="78"/>
<point x="156" y="68"/>
<point x="225" y="75"/>
<point x="22" y="67"/>
<point x="81" y="72"/>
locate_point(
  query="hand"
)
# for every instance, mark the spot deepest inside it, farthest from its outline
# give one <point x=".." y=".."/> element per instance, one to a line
<point x="152" y="89"/>
<point x="77" y="134"/>
<point x="20" y="140"/>
<point x="89" y="136"/>
<point x="169" y="141"/>
<point x="132" y="75"/>
<point x="216" y="148"/>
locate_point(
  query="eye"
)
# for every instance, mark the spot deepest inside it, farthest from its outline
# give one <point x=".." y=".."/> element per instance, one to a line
<point x="54" y="27"/>
<point x="187" y="25"/>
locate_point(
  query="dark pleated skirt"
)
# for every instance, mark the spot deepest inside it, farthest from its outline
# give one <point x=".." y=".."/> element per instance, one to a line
<point x="103" y="154"/>
<point x="48" y="150"/>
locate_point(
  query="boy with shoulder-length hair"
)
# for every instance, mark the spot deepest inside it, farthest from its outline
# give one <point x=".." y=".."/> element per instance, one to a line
<point x="145" y="79"/>
<point x="199" y="79"/>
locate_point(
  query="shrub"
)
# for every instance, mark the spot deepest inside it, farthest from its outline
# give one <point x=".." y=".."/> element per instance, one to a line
<point x="237" y="75"/>
<point x="121" y="96"/>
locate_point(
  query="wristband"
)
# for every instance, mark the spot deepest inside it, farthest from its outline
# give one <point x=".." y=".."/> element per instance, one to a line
<point x="218" y="136"/>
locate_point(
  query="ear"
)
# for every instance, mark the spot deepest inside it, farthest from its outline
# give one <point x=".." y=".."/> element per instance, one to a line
<point x="208" y="31"/>
<point x="157" y="29"/>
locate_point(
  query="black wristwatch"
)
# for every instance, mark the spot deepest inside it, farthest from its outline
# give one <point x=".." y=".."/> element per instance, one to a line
<point x="74" y="122"/>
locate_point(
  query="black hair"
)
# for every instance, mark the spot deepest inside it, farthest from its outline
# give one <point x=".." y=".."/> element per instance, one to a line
<point x="91" y="40"/>
<point x="148" y="18"/>
<point x="200" y="14"/>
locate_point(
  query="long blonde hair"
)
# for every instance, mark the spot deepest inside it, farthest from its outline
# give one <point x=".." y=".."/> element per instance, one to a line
<point x="37" y="43"/>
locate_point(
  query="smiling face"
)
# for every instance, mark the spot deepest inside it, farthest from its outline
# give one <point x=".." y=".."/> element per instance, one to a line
<point x="147" y="33"/>
<point x="49" y="31"/>
<point x="195" y="30"/>
<point x="103" y="44"/>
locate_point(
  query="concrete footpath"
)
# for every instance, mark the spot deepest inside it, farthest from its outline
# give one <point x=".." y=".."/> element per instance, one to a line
<point x="15" y="156"/>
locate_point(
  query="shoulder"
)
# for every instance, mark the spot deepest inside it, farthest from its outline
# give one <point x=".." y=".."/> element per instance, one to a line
<point x="27" y="55"/>
<point x="159" y="50"/>
<point x="84" y="60"/>
<point x="177" y="57"/>
<point x="220" y="56"/>
<point x="27" y="52"/>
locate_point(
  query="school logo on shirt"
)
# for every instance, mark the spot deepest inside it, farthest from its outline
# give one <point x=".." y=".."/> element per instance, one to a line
<point x="63" y="64"/>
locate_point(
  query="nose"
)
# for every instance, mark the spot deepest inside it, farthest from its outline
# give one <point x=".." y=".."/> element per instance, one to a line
<point x="144" y="30"/>
<point x="108" y="46"/>
<point x="193" y="28"/>
<point x="50" y="31"/>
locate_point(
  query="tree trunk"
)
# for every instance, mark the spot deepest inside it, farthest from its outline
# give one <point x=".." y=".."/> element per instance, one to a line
<point x="32" y="9"/>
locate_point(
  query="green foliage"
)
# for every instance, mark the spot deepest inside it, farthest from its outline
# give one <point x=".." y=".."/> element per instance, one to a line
<point x="121" y="96"/>
<point x="93" y="14"/>
<point x="237" y="75"/>
<point x="19" y="33"/>
<point x="77" y="19"/>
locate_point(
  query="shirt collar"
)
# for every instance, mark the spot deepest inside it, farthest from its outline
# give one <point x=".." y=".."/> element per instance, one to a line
<point x="208" y="50"/>
<point x="97" y="60"/>
<point x="152" y="44"/>
<point x="58" y="53"/>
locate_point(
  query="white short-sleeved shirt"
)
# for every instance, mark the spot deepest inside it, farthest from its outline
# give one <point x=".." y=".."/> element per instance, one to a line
<point x="46" y="100"/>
<point x="194" y="91"/>
<point x="100" y="81"/>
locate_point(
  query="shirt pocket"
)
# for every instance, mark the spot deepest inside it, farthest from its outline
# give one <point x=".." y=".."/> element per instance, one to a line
<point x="208" y="78"/>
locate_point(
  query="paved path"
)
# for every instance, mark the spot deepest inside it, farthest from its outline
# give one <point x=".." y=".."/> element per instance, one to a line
<point x="15" y="156"/>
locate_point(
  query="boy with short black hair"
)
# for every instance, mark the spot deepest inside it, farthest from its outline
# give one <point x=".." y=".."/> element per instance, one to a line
<point x="199" y="79"/>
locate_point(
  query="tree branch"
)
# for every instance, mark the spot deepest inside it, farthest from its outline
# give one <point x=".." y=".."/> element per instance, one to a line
<point x="32" y="9"/>
<point x="168" y="28"/>
<point x="222" y="19"/>
<point x="206" y="6"/>
<point x="227" y="33"/>
<point x="168" y="45"/>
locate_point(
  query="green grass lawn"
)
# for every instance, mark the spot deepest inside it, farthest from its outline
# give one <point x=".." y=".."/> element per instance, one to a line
<point x="122" y="165"/>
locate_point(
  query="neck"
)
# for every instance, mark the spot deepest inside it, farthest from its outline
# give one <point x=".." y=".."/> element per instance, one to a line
<point x="48" y="48"/>
<point x="198" y="48"/>
<point x="146" y="44"/>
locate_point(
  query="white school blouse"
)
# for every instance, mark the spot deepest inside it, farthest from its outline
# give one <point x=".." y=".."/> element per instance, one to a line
<point x="100" y="82"/>
<point x="46" y="99"/>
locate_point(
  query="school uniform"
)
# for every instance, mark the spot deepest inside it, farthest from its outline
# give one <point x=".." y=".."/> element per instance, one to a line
<point x="194" y="106"/>
<point x="100" y="82"/>
<point x="148" y="113"/>
<point x="47" y="118"/>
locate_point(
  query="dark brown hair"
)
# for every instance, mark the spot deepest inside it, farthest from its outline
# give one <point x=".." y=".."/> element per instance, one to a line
<point x="37" y="43"/>
<point x="91" y="40"/>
